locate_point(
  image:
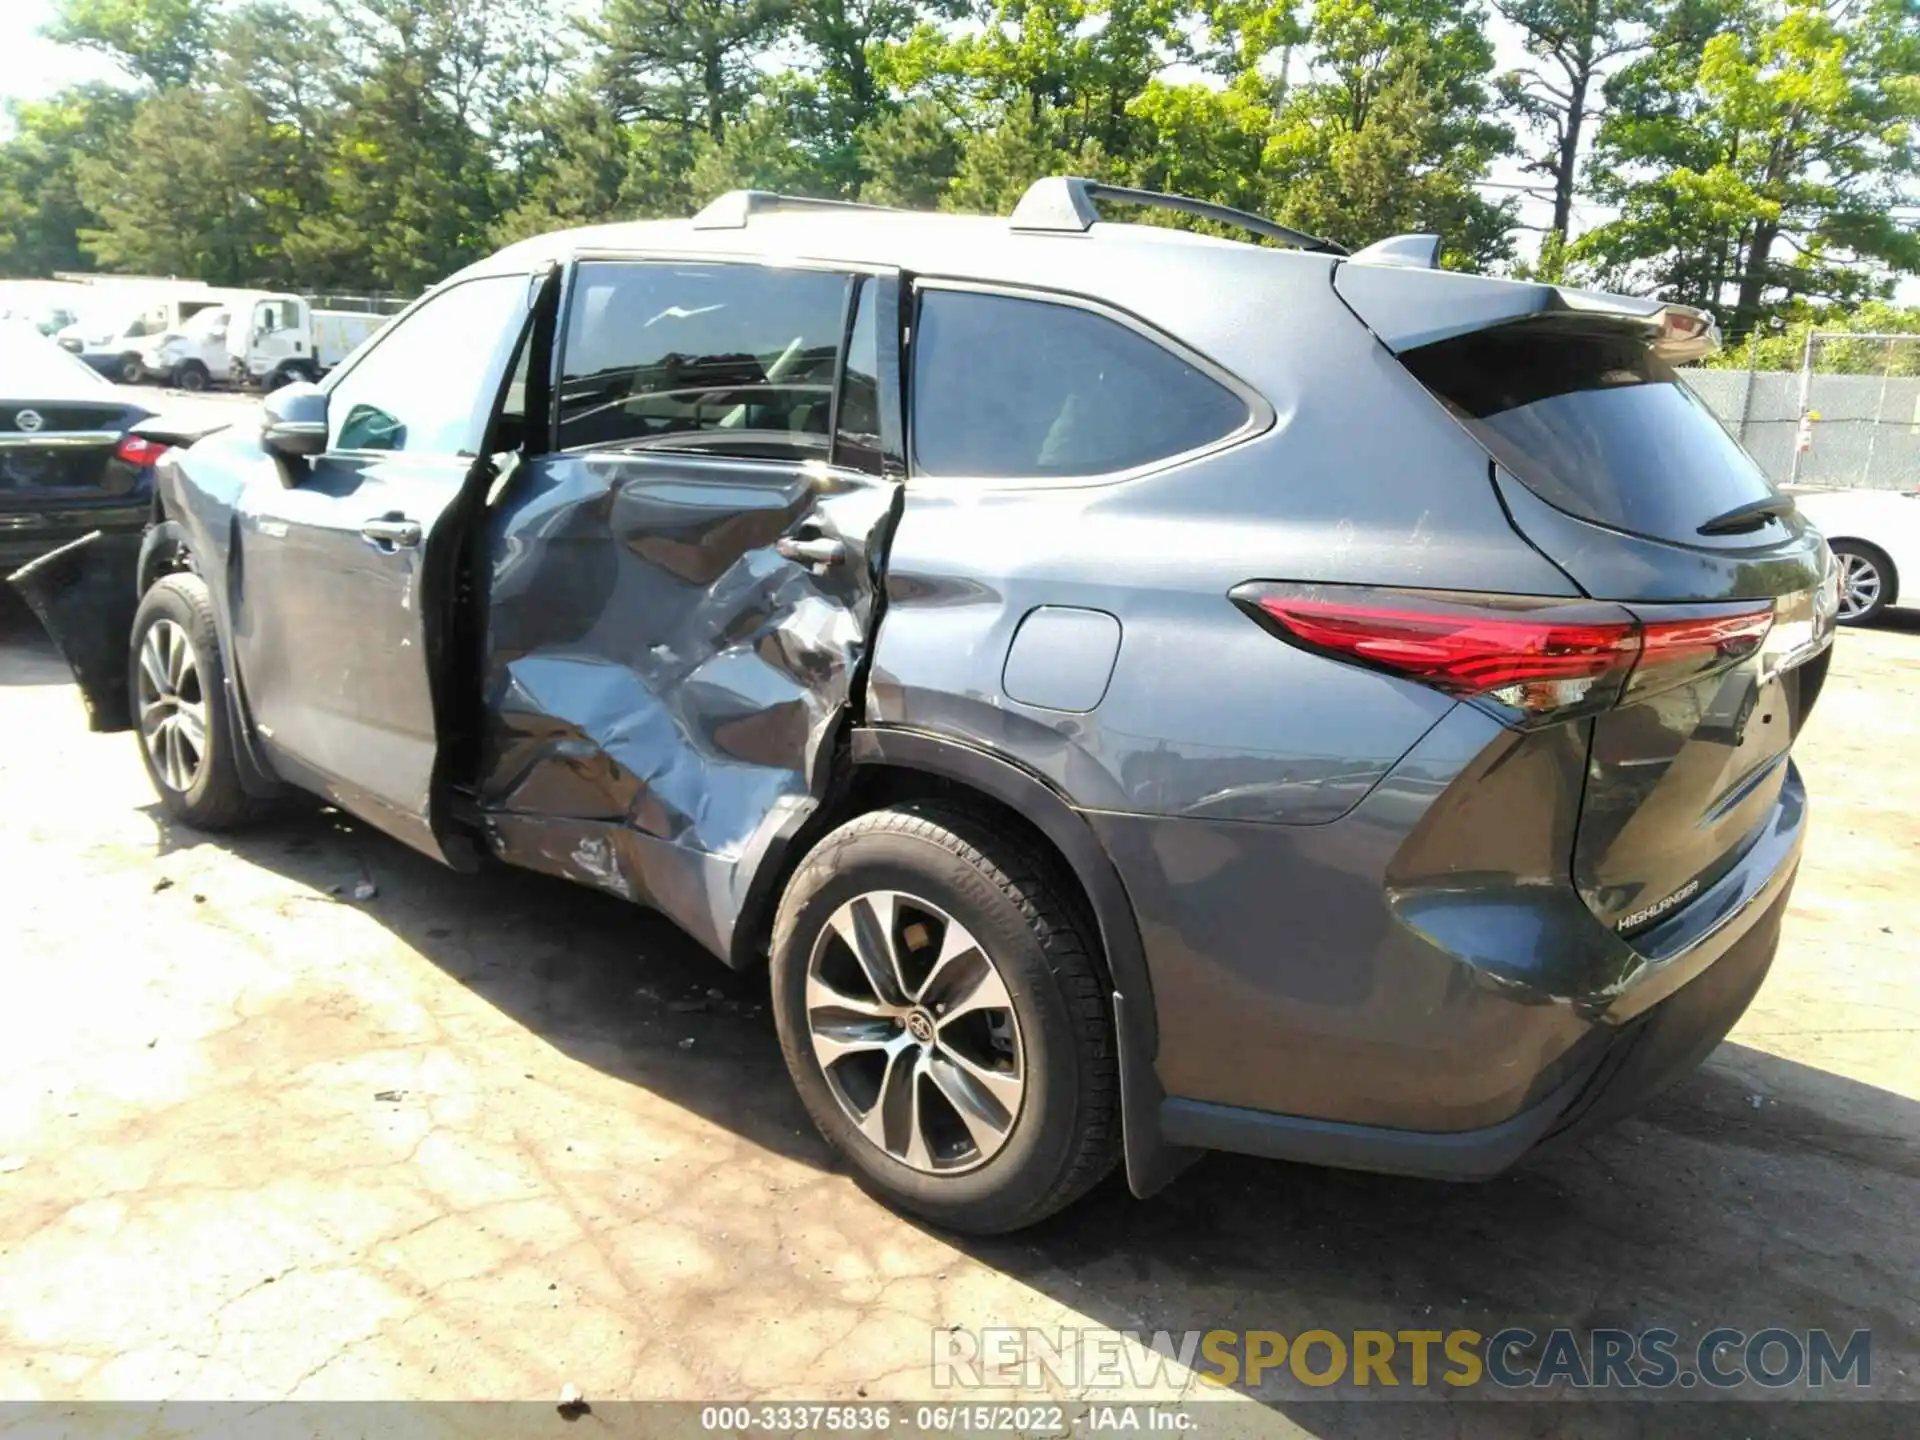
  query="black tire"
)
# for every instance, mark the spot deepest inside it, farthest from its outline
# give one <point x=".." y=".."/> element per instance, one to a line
<point x="192" y="376"/>
<point x="129" y="370"/>
<point x="1859" y="552"/>
<point x="1066" y="1135"/>
<point x="214" y="800"/>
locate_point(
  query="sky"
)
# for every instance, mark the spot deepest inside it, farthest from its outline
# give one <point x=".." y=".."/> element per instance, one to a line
<point x="36" y="67"/>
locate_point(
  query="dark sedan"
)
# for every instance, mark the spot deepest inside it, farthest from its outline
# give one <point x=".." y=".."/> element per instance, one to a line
<point x="75" y="456"/>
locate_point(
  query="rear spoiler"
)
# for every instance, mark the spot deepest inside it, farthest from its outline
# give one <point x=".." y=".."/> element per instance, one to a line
<point x="1408" y="307"/>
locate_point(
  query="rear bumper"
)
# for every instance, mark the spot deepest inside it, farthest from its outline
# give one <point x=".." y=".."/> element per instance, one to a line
<point x="1384" y="994"/>
<point x="25" y="537"/>
<point x="1659" y="1046"/>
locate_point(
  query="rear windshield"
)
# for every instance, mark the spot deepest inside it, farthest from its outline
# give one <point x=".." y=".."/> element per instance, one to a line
<point x="1592" y="421"/>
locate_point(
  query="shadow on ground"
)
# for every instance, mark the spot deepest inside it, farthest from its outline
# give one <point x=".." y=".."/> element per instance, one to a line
<point x="1759" y="1192"/>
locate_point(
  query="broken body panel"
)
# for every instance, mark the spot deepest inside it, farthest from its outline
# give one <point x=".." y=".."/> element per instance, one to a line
<point x="662" y="690"/>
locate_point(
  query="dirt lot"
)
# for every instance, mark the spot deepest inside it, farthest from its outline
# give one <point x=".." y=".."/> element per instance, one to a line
<point x="489" y="1137"/>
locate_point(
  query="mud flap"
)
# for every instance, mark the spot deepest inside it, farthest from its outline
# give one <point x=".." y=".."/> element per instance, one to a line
<point x="85" y="594"/>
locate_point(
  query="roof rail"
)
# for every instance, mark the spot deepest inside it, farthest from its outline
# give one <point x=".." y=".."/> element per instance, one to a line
<point x="732" y="210"/>
<point x="1065" y="203"/>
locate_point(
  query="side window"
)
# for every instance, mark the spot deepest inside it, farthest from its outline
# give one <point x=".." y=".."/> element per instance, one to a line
<point x="721" y="359"/>
<point x="1005" y="387"/>
<point x="427" y="384"/>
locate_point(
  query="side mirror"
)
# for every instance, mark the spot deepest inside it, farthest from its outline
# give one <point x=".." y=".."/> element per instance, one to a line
<point x="295" y="423"/>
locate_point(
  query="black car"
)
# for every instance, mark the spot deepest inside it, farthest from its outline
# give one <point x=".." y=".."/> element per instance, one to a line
<point x="76" y="460"/>
<point x="75" y="454"/>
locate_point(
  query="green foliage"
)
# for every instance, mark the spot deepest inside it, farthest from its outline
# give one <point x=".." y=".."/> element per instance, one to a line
<point x="161" y="41"/>
<point x="1757" y="155"/>
<point x="41" y="212"/>
<point x="1757" y="151"/>
<point x="1783" y="346"/>
<point x="909" y="156"/>
<point x="1558" y="92"/>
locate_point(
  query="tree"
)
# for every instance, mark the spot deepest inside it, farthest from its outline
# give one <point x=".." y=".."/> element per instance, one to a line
<point x="998" y="165"/>
<point x="1392" y="128"/>
<point x="1572" y="43"/>
<point x="1205" y="142"/>
<point x="765" y="148"/>
<point x="1784" y="347"/>
<point x="1758" y="155"/>
<point x="909" y="156"/>
<point x="183" y="194"/>
<point x="161" y="41"/>
<point x="209" y="179"/>
<point x="407" y="167"/>
<point x="41" y="209"/>
<point x="682" y="62"/>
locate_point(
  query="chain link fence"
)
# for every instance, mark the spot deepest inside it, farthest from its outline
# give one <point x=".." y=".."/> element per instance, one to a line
<point x="1849" y="418"/>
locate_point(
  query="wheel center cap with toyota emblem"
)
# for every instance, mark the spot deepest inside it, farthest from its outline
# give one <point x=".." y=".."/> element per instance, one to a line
<point x="28" y="420"/>
<point x="920" y="1026"/>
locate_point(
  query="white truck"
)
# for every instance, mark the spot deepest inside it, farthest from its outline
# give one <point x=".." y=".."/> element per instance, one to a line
<point x="261" y="338"/>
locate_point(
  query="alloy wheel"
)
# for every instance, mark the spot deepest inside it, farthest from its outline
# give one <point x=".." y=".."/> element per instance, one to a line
<point x="914" y="1029"/>
<point x="172" y="708"/>
<point x="1860" y="585"/>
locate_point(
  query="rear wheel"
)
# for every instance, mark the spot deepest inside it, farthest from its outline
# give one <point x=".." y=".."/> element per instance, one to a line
<point x="944" y="1019"/>
<point x="129" y="370"/>
<point x="1866" y="581"/>
<point x="178" y="685"/>
<point x="192" y="375"/>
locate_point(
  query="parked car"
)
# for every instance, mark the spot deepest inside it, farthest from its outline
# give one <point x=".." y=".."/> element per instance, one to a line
<point x="73" y="453"/>
<point x="1875" y="535"/>
<point x="77" y="461"/>
<point x="112" y="337"/>
<point x="1140" y="692"/>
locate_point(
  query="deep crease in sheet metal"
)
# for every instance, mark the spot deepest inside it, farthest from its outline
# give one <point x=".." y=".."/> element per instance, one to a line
<point x="662" y="688"/>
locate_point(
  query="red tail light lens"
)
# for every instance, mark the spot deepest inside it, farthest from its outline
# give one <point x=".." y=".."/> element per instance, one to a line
<point x="1533" y="657"/>
<point x="138" y="450"/>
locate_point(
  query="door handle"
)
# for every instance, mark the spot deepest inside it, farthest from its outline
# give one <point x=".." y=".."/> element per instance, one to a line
<point x="817" y="550"/>
<point x="392" y="531"/>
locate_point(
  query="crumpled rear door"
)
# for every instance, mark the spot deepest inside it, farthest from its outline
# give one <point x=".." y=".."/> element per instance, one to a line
<point x="675" y="640"/>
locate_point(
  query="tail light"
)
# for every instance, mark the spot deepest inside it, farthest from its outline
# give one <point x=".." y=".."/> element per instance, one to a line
<point x="1532" y="658"/>
<point x="138" y="450"/>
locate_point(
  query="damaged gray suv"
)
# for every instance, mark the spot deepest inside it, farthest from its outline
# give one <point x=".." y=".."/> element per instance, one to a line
<point x="1142" y="692"/>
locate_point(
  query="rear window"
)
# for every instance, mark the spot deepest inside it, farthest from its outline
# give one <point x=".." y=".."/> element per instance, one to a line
<point x="1592" y="421"/>
<point x="1006" y="387"/>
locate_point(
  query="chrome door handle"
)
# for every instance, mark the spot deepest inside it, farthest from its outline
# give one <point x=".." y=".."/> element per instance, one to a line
<point x="817" y="551"/>
<point x="392" y="532"/>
